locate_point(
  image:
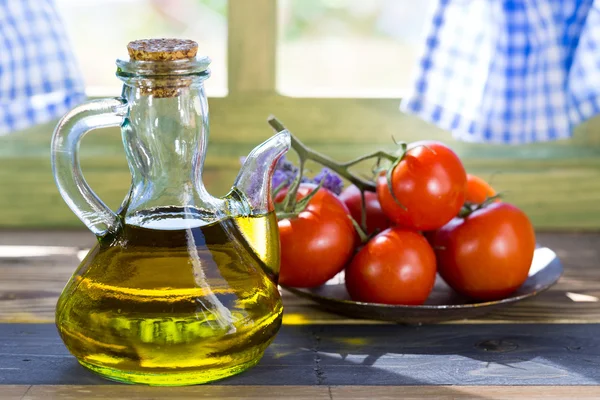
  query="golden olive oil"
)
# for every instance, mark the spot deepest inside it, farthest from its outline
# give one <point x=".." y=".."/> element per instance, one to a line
<point x="175" y="306"/>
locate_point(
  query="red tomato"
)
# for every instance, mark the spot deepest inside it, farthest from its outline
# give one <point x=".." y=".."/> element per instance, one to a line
<point x="487" y="255"/>
<point x="395" y="267"/>
<point x="430" y="183"/>
<point x="317" y="244"/>
<point x="376" y="218"/>
<point x="478" y="190"/>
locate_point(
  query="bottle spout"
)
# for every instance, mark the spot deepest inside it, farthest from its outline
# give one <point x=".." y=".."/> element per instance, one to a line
<point x="254" y="178"/>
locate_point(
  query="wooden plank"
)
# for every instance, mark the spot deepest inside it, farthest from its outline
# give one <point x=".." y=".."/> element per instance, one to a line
<point x="465" y="392"/>
<point x="252" y="35"/>
<point x="80" y="238"/>
<point x="557" y="184"/>
<point x="30" y="286"/>
<point x="13" y="392"/>
<point x="120" y="392"/>
<point x="479" y="355"/>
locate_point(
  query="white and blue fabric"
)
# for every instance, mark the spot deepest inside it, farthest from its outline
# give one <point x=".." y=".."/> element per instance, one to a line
<point x="509" y="71"/>
<point x="39" y="78"/>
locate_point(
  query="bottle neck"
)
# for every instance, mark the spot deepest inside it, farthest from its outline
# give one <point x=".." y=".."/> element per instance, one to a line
<point x="165" y="142"/>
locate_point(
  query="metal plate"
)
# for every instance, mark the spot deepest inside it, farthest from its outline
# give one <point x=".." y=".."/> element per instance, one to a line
<point x="443" y="303"/>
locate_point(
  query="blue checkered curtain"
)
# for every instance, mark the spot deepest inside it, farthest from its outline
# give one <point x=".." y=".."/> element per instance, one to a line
<point x="39" y="79"/>
<point x="509" y="71"/>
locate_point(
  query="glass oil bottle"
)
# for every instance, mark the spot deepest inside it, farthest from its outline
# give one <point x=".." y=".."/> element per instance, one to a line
<point x="181" y="287"/>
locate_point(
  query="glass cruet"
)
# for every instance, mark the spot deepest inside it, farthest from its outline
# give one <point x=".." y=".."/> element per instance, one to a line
<point x="181" y="287"/>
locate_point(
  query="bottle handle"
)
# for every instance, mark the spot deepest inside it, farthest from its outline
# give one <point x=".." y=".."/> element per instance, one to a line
<point x="82" y="200"/>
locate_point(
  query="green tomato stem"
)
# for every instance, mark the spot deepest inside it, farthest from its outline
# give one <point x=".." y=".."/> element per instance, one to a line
<point x="284" y="215"/>
<point x="377" y="154"/>
<point x="470" y="208"/>
<point x="364" y="238"/>
<point x="289" y="203"/>
<point x="342" y="169"/>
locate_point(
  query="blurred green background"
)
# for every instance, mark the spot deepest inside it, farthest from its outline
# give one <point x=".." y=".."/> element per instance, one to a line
<point x="342" y="66"/>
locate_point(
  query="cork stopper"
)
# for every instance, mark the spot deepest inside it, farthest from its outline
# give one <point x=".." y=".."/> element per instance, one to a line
<point x="162" y="49"/>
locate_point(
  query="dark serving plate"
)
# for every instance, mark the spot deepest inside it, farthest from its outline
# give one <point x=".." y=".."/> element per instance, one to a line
<point x="443" y="304"/>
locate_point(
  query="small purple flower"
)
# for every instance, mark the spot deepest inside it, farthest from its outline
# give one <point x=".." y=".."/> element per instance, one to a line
<point x="287" y="166"/>
<point x="331" y="181"/>
<point x="280" y="178"/>
<point x="286" y="172"/>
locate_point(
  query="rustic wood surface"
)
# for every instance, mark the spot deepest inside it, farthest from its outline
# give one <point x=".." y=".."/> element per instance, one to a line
<point x="81" y="392"/>
<point x="29" y="286"/>
<point x="329" y="355"/>
<point x="539" y="348"/>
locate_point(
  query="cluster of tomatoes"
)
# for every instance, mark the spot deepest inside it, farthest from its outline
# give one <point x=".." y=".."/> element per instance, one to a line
<point x="427" y="217"/>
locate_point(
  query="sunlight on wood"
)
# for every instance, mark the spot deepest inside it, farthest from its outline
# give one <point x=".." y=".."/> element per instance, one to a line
<point x="581" y="298"/>
<point x="295" y="319"/>
<point x="82" y="253"/>
<point x="35" y="251"/>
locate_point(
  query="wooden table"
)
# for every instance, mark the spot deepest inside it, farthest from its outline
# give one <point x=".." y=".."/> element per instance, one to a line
<point x="546" y="347"/>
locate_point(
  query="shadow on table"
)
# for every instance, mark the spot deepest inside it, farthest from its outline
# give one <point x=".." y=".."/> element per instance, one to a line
<point x="33" y="354"/>
<point x="487" y="354"/>
<point x="359" y="355"/>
